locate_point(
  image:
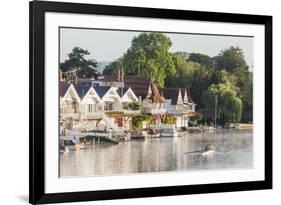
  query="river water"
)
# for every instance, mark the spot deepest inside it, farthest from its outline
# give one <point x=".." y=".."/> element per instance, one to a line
<point x="234" y="150"/>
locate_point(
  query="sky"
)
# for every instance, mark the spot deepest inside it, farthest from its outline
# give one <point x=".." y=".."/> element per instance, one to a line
<point x="108" y="45"/>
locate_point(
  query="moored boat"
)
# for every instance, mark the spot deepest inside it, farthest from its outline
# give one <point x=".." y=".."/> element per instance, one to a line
<point x="169" y="132"/>
<point x="152" y="133"/>
<point x="71" y="145"/>
<point x="139" y="135"/>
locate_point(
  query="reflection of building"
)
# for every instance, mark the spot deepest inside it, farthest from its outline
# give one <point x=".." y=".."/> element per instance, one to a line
<point x="179" y="105"/>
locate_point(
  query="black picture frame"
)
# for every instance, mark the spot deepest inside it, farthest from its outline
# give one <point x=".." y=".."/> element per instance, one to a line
<point x="37" y="193"/>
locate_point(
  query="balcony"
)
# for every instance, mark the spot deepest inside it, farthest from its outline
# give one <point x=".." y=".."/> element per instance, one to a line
<point x="153" y="111"/>
<point x="175" y="112"/>
<point x="91" y="115"/>
<point x="132" y="112"/>
<point x="74" y="116"/>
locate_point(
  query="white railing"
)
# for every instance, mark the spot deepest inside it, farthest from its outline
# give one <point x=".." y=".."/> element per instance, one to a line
<point x="69" y="109"/>
<point x="93" y="115"/>
<point x="73" y="134"/>
<point x="70" y="115"/>
<point x="132" y="112"/>
<point x="163" y="126"/>
<point x="175" y="112"/>
<point x="154" y="110"/>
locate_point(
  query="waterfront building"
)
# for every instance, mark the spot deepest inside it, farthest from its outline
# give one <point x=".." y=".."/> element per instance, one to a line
<point x="154" y="104"/>
<point x="179" y="105"/>
<point x="112" y="101"/>
<point x="69" y="100"/>
<point x="97" y="107"/>
<point x="145" y="90"/>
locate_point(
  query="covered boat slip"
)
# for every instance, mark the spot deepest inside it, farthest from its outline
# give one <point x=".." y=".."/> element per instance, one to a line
<point x="91" y="137"/>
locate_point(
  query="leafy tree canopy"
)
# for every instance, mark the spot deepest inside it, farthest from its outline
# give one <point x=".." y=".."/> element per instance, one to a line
<point x="184" y="70"/>
<point x="149" y="56"/>
<point x="76" y="59"/>
<point x="227" y="101"/>
<point x="246" y="92"/>
<point x="202" y="59"/>
<point x="113" y="67"/>
<point x="231" y="59"/>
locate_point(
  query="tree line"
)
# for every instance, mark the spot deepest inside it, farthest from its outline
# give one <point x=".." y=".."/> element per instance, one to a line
<point x="224" y="79"/>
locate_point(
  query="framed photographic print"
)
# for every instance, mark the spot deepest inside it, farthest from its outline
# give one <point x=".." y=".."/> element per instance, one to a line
<point x="140" y="102"/>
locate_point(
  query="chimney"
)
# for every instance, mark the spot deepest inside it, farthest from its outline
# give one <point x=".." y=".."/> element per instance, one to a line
<point x="74" y="76"/>
<point x="118" y="75"/>
<point x="61" y="77"/>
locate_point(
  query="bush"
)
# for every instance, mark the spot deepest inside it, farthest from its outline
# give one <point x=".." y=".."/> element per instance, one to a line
<point x="137" y="120"/>
<point x="134" y="106"/>
<point x="169" y="119"/>
<point x="198" y="117"/>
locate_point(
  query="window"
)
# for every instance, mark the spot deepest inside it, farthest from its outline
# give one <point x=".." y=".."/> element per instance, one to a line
<point x="91" y="107"/>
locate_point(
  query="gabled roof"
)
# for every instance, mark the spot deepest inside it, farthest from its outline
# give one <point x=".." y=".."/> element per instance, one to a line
<point x="101" y="90"/>
<point x="82" y="90"/>
<point x="190" y="100"/>
<point x="128" y="94"/>
<point x="139" y="84"/>
<point x="63" y="88"/>
<point x="92" y="93"/>
<point x="172" y="94"/>
<point x="188" y="96"/>
<point x="125" y="89"/>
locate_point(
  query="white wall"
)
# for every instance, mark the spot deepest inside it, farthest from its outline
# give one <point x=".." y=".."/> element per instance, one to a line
<point x="14" y="77"/>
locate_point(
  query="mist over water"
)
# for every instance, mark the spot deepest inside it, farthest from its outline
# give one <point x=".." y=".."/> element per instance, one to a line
<point x="234" y="150"/>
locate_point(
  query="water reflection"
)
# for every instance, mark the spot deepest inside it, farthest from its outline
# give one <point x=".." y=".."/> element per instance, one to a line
<point x="233" y="150"/>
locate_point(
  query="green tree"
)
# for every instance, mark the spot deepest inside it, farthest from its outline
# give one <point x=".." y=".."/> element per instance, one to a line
<point x="134" y="106"/>
<point x="113" y="67"/>
<point x="184" y="69"/>
<point x="228" y="103"/>
<point x="222" y="76"/>
<point x="199" y="84"/>
<point x="247" y="93"/>
<point x="191" y="74"/>
<point x="149" y="56"/>
<point x="202" y="59"/>
<point x="199" y="116"/>
<point x="137" y="120"/>
<point x="231" y="59"/>
<point x="76" y="59"/>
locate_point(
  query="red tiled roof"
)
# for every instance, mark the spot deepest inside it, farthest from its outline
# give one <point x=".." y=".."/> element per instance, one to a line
<point x="139" y="84"/>
<point x="171" y="94"/>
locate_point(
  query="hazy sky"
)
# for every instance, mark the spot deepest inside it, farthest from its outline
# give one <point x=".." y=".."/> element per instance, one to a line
<point x="108" y="45"/>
